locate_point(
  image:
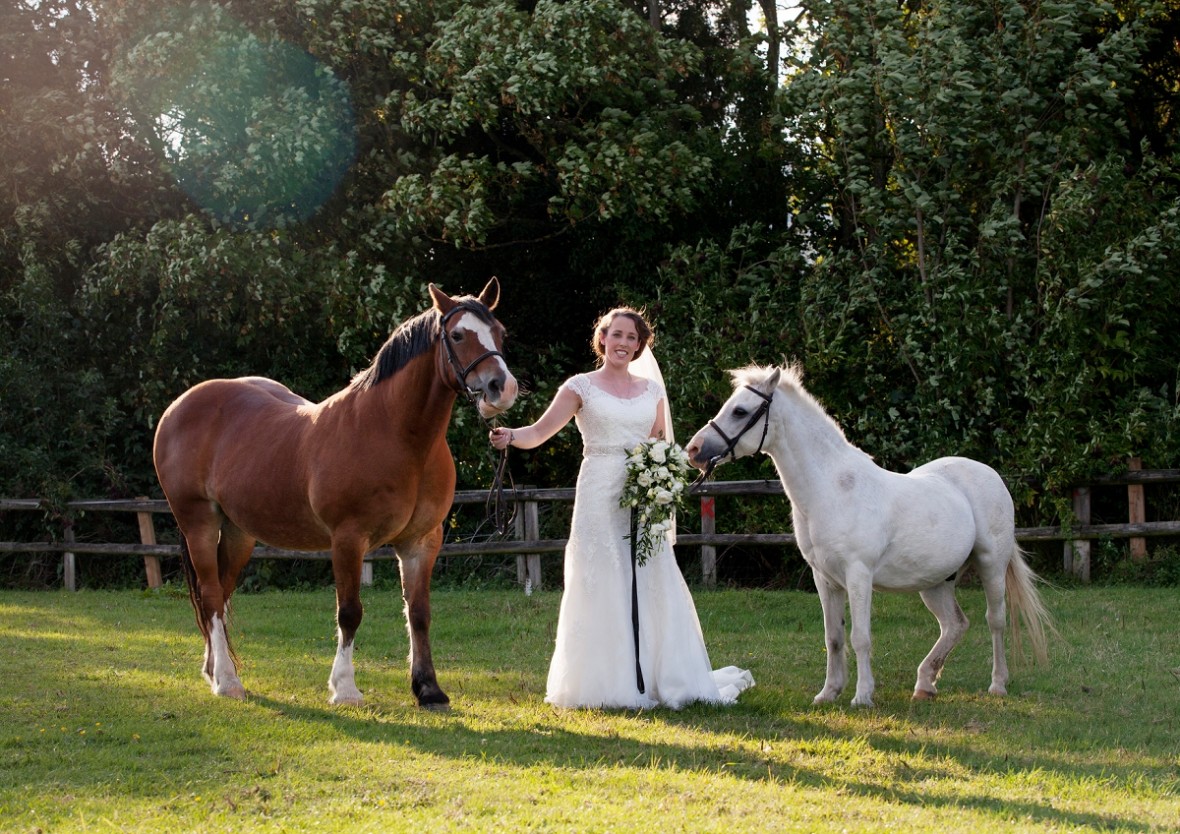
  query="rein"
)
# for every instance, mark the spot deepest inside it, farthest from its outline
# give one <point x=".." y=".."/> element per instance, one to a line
<point x="498" y="504"/>
<point x="762" y="412"/>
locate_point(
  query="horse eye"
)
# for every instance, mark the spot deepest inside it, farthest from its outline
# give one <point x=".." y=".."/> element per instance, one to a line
<point x="740" y="412"/>
<point x="456" y="336"/>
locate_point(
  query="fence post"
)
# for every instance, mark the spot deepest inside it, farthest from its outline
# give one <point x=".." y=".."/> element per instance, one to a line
<point x="708" y="551"/>
<point x="68" y="566"/>
<point x="1077" y="552"/>
<point x="527" y="527"/>
<point x="147" y="535"/>
<point x="1136" y="511"/>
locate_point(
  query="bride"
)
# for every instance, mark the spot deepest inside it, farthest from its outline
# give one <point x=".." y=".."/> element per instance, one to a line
<point x="617" y="406"/>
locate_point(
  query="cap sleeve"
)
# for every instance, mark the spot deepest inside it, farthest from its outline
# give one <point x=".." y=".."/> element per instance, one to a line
<point x="579" y="384"/>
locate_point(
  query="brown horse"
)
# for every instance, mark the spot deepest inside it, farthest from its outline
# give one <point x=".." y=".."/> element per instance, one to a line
<point x="245" y="459"/>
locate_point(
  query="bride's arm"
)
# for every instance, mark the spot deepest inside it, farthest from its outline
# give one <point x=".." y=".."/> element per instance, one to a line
<point x="657" y="428"/>
<point x="564" y="406"/>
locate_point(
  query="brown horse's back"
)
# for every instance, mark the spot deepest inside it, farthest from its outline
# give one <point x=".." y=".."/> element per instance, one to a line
<point x="237" y="447"/>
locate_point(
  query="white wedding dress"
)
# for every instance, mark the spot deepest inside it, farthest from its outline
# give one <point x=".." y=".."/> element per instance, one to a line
<point x="594" y="661"/>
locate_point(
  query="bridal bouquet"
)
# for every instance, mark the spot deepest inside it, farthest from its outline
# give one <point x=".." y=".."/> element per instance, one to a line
<point x="656" y="485"/>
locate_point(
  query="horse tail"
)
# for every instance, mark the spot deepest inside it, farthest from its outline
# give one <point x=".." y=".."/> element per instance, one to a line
<point x="1025" y="603"/>
<point x="194" y="587"/>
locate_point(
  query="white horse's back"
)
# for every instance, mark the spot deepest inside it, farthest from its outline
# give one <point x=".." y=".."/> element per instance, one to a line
<point x="985" y="492"/>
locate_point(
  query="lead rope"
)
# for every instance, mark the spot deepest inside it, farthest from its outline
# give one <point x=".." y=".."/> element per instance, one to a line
<point x="635" y="601"/>
<point x="497" y="503"/>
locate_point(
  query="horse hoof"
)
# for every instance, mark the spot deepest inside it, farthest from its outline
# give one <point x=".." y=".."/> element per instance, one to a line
<point x="235" y="691"/>
<point x="923" y="695"/>
<point x="436" y="700"/>
<point x="346" y="700"/>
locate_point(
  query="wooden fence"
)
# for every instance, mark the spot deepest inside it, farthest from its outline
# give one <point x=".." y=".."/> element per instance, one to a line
<point x="528" y="547"/>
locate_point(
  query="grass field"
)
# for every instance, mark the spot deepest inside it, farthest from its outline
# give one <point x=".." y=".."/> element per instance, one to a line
<point x="105" y="724"/>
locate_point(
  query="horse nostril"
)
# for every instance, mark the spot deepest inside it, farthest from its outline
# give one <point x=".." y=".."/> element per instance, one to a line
<point x="495" y="388"/>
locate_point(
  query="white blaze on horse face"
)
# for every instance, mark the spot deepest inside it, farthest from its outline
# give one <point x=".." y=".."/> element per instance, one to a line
<point x="482" y="331"/>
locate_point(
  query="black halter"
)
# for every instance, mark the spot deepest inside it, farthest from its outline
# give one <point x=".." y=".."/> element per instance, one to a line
<point x="460" y="371"/>
<point x="762" y="412"/>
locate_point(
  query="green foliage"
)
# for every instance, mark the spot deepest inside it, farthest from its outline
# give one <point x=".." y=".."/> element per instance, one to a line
<point x="254" y="129"/>
<point x="559" y="115"/>
<point x="55" y="418"/>
<point x="1111" y="562"/>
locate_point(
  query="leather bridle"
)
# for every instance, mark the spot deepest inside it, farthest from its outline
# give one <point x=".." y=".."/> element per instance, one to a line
<point x="762" y="412"/>
<point x="457" y="367"/>
<point x="498" y="510"/>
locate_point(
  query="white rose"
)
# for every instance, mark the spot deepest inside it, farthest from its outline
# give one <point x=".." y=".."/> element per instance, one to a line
<point x="663" y="474"/>
<point x="664" y="497"/>
<point x="659" y="452"/>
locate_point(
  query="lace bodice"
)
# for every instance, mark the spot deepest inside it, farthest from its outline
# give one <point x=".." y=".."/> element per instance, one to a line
<point x="611" y="424"/>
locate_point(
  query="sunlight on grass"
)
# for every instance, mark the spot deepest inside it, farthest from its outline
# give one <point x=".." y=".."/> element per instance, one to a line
<point x="105" y="723"/>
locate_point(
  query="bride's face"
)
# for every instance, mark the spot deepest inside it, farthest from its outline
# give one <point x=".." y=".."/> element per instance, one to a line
<point x="620" y="342"/>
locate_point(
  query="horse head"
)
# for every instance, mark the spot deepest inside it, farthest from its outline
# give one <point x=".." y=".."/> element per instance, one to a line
<point x="740" y="427"/>
<point x="472" y="340"/>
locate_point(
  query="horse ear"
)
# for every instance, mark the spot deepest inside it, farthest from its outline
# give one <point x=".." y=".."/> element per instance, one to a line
<point x="442" y="302"/>
<point x="491" y="293"/>
<point x="772" y="381"/>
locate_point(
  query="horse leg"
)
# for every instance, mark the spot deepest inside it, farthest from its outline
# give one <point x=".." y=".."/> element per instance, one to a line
<point x="417" y="563"/>
<point x="202" y="532"/>
<point x="347" y="559"/>
<point x="993" y="579"/>
<point x="860" y="610"/>
<point x="234" y="547"/>
<point x="952" y="623"/>
<point x="832" y="599"/>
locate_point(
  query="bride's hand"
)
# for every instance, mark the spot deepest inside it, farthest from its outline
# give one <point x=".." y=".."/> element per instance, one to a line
<point x="500" y="437"/>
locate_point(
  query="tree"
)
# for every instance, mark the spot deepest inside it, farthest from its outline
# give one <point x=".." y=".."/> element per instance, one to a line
<point x="996" y="238"/>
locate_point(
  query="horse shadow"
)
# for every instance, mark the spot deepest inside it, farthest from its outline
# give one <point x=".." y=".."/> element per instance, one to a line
<point x="548" y="743"/>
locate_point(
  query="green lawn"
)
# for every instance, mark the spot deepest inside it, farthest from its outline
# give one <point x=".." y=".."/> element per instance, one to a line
<point x="105" y="724"/>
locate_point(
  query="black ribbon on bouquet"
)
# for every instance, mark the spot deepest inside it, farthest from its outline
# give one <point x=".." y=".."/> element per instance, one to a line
<point x="635" y="600"/>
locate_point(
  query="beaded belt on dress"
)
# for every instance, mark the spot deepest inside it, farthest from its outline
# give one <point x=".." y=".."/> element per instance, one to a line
<point x="603" y="451"/>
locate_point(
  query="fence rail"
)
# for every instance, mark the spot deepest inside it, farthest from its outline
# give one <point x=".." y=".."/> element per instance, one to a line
<point x="527" y="545"/>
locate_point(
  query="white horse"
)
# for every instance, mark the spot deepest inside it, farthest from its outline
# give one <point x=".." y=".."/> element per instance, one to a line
<point x="861" y="527"/>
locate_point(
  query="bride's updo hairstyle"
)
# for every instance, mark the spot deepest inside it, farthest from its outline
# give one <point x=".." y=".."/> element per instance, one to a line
<point x="604" y="323"/>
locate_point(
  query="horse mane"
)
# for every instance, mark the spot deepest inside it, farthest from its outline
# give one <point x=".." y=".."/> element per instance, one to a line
<point x="790" y="379"/>
<point x="411" y="339"/>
